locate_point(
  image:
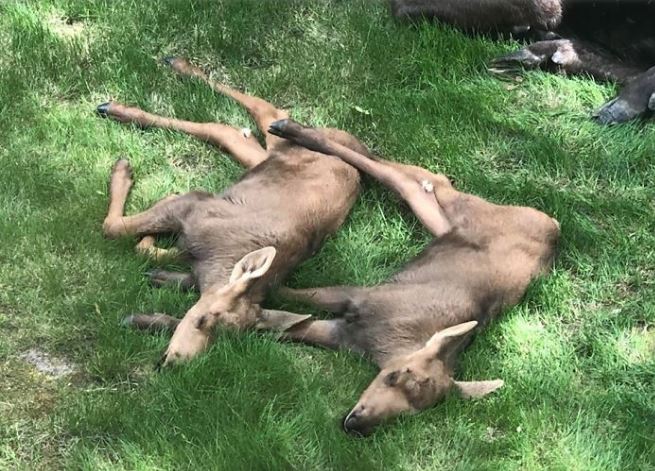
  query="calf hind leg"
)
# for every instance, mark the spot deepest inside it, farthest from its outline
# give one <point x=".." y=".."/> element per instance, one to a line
<point x="415" y="185"/>
<point x="263" y="112"/>
<point x="239" y="143"/>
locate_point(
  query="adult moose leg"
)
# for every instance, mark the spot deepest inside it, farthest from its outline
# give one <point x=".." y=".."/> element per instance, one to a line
<point x="483" y="15"/>
<point x="261" y="111"/>
<point x="418" y="187"/>
<point x="636" y="99"/>
<point x="570" y="56"/>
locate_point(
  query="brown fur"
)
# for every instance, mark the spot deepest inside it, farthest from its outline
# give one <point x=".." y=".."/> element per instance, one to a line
<point x="290" y="198"/>
<point x="609" y="40"/>
<point x="413" y="326"/>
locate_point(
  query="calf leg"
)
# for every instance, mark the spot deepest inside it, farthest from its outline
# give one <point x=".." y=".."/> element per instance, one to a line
<point x="301" y="328"/>
<point x="152" y="322"/>
<point x="335" y="299"/>
<point x="239" y="143"/>
<point x="147" y="247"/>
<point x="418" y="187"/>
<point x="262" y="111"/>
<point x="163" y="278"/>
<point x="162" y="217"/>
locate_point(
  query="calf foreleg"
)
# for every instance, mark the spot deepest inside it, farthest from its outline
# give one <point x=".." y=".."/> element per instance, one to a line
<point x="161" y="218"/>
<point x="335" y="299"/>
<point x="152" y="322"/>
<point x="301" y="328"/>
<point x="163" y="278"/>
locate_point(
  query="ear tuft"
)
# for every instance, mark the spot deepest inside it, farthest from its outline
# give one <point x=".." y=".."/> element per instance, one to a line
<point x="477" y="389"/>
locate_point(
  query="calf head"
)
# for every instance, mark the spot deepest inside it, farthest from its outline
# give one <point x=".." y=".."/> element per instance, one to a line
<point x="227" y="305"/>
<point x="414" y="382"/>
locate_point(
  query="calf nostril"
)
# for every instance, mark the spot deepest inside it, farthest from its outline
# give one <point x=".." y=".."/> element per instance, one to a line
<point x="348" y="422"/>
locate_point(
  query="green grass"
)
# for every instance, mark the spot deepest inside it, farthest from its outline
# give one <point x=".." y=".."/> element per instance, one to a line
<point x="578" y="355"/>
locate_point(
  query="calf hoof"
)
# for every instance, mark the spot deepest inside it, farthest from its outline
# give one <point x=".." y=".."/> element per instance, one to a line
<point x="168" y="60"/>
<point x="103" y="109"/>
<point x="617" y="111"/>
<point x="651" y="102"/>
<point x="122" y="169"/>
<point x="279" y="127"/>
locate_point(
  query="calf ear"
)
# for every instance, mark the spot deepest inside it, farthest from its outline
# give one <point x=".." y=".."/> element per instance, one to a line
<point x="270" y="319"/>
<point x="254" y="265"/>
<point x="436" y="342"/>
<point x="477" y="389"/>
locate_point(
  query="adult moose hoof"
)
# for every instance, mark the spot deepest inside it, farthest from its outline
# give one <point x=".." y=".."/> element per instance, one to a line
<point x="617" y="111"/>
<point x="636" y="99"/>
<point x="556" y="53"/>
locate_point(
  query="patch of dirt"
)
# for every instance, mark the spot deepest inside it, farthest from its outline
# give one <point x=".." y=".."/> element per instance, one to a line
<point x="65" y="27"/>
<point x="47" y="364"/>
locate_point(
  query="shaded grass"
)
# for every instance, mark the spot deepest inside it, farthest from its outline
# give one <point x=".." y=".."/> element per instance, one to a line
<point x="577" y="355"/>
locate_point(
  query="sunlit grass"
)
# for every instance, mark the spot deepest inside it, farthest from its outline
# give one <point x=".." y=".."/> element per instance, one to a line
<point x="577" y="355"/>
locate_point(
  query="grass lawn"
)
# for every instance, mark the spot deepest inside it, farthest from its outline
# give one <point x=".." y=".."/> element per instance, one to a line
<point x="578" y="355"/>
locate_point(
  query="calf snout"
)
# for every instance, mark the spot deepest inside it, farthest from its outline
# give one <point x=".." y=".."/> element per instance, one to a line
<point x="356" y="424"/>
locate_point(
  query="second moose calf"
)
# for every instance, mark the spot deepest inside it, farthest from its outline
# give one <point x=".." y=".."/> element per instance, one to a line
<point x="480" y="263"/>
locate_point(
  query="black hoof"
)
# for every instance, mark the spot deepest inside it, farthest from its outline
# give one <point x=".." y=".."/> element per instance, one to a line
<point x="277" y="128"/>
<point x="616" y="111"/>
<point x="516" y="61"/>
<point x="127" y="321"/>
<point x="168" y="60"/>
<point x="651" y="102"/>
<point x="103" y="109"/>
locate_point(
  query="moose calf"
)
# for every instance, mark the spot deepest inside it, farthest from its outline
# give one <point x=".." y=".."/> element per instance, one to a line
<point x="247" y="238"/>
<point x="607" y="39"/>
<point x="413" y="326"/>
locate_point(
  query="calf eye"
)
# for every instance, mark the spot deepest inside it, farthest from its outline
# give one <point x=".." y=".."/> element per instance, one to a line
<point x="201" y="322"/>
<point x="392" y="378"/>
